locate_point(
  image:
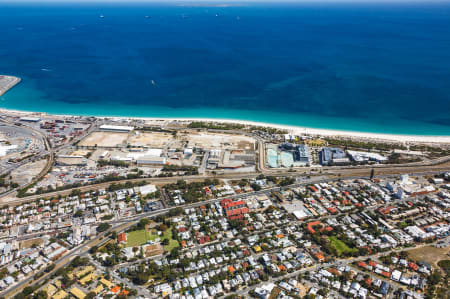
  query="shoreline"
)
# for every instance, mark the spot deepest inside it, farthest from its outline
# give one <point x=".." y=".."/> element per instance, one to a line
<point x="294" y="130"/>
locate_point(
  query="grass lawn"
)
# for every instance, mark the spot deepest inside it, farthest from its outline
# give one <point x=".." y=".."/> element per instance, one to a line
<point x="137" y="238"/>
<point x="140" y="237"/>
<point x="340" y="246"/>
<point x="172" y="243"/>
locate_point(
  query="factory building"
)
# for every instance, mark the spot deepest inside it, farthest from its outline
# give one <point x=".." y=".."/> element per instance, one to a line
<point x="68" y="160"/>
<point x="117" y="129"/>
<point x="365" y="157"/>
<point x="151" y="160"/>
<point x="30" y="119"/>
<point x="330" y="155"/>
<point x="231" y="159"/>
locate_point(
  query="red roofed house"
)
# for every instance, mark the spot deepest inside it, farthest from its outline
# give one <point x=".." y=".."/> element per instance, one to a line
<point x="413" y="266"/>
<point x="311" y="224"/>
<point x="332" y="210"/>
<point x="234" y="209"/>
<point x="313" y="189"/>
<point x="362" y="265"/>
<point x="122" y="238"/>
<point x="319" y="256"/>
<point x="386" y="210"/>
<point x="124" y="292"/>
<point x="203" y="240"/>
<point x="115" y="289"/>
<point x="207" y="191"/>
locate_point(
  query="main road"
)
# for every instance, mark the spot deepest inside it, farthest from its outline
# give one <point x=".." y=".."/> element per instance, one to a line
<point x="331" y="172"/>
<point x="125" y="223"/>
<point x="48" y="153"/>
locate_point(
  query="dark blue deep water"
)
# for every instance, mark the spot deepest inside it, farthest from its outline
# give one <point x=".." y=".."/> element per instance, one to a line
<point x="361" y="67"/>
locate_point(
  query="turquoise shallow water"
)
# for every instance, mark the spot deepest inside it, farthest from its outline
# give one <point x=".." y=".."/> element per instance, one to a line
<point x="371" y="68"/>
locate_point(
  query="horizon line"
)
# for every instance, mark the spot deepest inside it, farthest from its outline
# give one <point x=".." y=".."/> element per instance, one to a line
<point x="225" y="2"/>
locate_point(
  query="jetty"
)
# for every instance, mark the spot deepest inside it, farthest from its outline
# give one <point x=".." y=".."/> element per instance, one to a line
<point x="7" y="82"/>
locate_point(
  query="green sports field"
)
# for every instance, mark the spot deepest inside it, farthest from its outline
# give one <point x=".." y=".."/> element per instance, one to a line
<point x="140" y="237"/>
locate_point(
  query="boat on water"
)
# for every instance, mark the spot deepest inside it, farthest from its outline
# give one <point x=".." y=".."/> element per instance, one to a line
<point x="102" y="16"/>
<point x="147" y="17"/>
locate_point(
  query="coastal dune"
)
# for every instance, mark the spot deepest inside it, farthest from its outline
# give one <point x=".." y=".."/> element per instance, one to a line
<point x="297" y="130"/>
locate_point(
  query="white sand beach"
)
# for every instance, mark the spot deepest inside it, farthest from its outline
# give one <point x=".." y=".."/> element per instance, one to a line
<point x="295" y="130"/>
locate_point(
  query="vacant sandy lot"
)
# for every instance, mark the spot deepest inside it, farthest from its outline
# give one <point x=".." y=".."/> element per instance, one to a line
<point x="25" y="173"/>
<point x="151" y="139"/>
<point x="30" y="242"/>
<point x="80" y="153"/>
<point x="430" y="254"/>
<point x="104" y="139"/>
<point x="218" y="141"/>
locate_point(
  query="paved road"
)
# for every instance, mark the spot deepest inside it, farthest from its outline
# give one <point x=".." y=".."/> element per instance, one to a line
<point x="202" y="168"/>
<point x="125" y="223"/>
<point x="335" y="263"/>
<point x="64" y="260"/>
<point x="118" y="226"/>
<point x="49" y="153"/>
<point x="344" y="174"/>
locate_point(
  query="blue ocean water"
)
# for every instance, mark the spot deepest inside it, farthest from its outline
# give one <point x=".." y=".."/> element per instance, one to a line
<point x="361" y="67"/>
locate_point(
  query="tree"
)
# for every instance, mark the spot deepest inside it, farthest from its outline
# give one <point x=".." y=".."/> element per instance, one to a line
<point x="27" y="291"/>
<point x="184" y="263"/>
<point x="255" y="187"/>
<point x="141" y="278"/>
<point x="323" y="292"/>
<point x="90" y="295"/>
<point x="242" y="183"/>
<point x="174" y="253"/>
<point x="103" y="227"/>
<point x="133" y="292"/>
<point x="40" y="295"/>
<point x="434" y="278"/>
<point x="165" y="241"/>
<point x="142" y="223"/>
<point x="445" y="265"/>
<point x="163" y="227"/>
